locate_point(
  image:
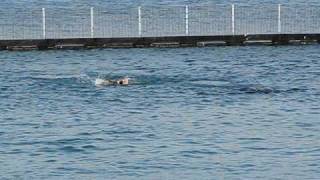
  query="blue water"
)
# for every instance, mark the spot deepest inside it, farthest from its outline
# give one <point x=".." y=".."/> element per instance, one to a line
<point x="193" y="113"/>
<point x="9" y="4"/>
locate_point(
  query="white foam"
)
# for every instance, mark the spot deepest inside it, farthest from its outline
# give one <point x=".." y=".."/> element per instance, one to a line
<point x="100" y="82"/>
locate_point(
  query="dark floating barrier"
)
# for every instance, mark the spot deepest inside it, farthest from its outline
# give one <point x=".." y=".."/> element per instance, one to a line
<point x="160" y="42"/>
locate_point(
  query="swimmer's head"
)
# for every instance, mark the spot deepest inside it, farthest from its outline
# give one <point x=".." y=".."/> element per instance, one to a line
<point x="124" y="81"/>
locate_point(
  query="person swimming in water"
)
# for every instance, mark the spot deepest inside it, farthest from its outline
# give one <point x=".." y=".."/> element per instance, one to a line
<point x="123" y="81"/>
<point x="104" y="82"/>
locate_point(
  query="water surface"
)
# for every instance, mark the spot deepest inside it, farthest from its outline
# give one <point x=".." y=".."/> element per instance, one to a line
<point x="195" y="113"/>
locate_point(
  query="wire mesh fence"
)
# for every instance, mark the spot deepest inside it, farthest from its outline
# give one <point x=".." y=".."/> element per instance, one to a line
<point x="67" y="23"/>
<point x="169" y="21"/>
<point x="257" y="20"/>
<point x="214" y="20"/>
<point x="20" y="24"/>
<point x="305" y="19"/>
<point x="115" y="22"/>
<point x="158" y="21"/>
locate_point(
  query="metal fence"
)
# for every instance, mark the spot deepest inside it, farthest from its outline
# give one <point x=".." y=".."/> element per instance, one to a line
<point x="156" y="21"/>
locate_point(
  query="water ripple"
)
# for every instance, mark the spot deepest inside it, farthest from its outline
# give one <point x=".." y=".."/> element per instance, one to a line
<point x="192" y="113"/>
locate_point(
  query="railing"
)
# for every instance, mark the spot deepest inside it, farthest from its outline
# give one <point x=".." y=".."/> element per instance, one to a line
<point x="158" y="21"/>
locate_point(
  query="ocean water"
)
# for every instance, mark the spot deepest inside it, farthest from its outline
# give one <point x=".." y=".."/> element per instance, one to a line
<point x="194" y="113"/>
<point x="9" y="4"/>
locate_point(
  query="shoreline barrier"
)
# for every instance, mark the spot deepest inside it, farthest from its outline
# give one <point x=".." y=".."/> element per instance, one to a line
<point x="163" y="26"/>
<point x="149" y="42"/>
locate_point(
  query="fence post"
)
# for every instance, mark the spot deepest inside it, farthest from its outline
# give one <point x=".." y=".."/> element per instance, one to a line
<point x="140" y="26"/>
<point x="233" y="27"/>
<point x="44" y="23"/>
<point x="92" y="22"/>
<point x="187" y="20"/>
<point x="279" y="18"/>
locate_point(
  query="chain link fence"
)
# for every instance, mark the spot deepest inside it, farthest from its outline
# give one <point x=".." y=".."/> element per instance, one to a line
<point x="158" y="21"/>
